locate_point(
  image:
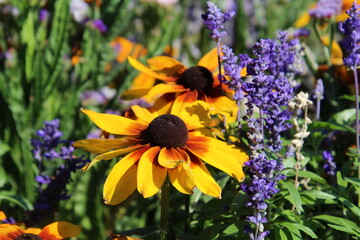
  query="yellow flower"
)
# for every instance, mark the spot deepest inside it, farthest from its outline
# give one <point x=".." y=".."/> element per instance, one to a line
<point x="195" y="83"/>
<point x="159" y="146"/>
<point x="53" y="231"/>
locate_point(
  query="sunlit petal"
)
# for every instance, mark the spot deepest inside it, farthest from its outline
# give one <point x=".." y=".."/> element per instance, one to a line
<point x="210" y="60"/>
<point x="143" y="114"/>
<point x="134" y="93"/>
<point x="162" y="88"/>
<point x="150" y="175"/>
<point x="99" y="146"/>
<point x="121" y="182"/>
<point x="115" y="124"/>
<point x="60" y="230"/>
<point x="170" y="157"/>
<point x="166" y="65"/>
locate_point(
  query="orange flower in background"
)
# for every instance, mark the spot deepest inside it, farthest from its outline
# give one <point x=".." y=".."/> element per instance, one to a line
<point x="53" y="231"/>
<point x="2" y="215"/>
<point x="195" y="83"/>
<point x="125" y="48"/>
<point x="156" y="146"/>
<point x="122" y="237"/>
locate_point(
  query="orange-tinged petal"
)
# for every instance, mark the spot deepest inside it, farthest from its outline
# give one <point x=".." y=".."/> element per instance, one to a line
<point x="143" y="114"/>
<point x="134" y="93"/>
<point x="123" y="237"/>
<point x="98" y="146"/>
<point x="2" y="215"/>
<point x="222" y="105"/>
<point x="143" y="80"/>
<point x="203" y="179"/>
<point x="111" y="155"/>
<point x="121" y="182"/>
<point x="210" y="60"/>
<point x="163" y="104"/>
<point x="10" y="231"/>
<point x="195" y="114"/>
<point x="166" y="65"/>
<point x="219" y="155"/>
<point x="180" y="177"/>
<point x="2" y="237"/>
<point x="170" y="158"/>
<point x="142" y="68"/>
<point x="150" y="175"/>
<point x="35" y="231"/>
<point x="184" y="100"/>
<point x="115" y="124"/>
<point x="59" y="230"/>
<point x="162" y="88"/>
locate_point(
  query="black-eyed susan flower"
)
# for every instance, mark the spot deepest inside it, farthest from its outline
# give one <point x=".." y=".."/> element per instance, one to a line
<point x="199" y="82"/>
<point x="53" y="231"/>
<point x="156" y="146"/>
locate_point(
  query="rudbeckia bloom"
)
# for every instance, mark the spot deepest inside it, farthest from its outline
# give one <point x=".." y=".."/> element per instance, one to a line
<point x="53" y="231"/>
<point x="157" y="146"/>
<point x="195" y="83"/>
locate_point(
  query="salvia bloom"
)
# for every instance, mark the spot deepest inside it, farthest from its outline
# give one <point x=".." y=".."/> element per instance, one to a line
<point x="326" y="9"/>
<point x="302" y="33"/>
<point x="99" y="25"/>
<point x="319" y="89"/>
<point x="49" y="147"/>
<point x="54" y="231"/>
<point x="351" y="29"/>
<point x="156" y="146"/>
<point x="214" y="20"/>
<point x="330" y="166"/>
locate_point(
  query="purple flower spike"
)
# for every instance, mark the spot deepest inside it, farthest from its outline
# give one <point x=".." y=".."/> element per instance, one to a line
<point x="326" y="9"/>
<point x="351" y="29"/>
<point x="330" y="166"/>
<point x="99" y="25"/>
<point x="214" y="20"/>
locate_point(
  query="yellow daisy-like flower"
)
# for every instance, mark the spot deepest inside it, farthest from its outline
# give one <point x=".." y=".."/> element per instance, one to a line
<point x="53" y="231"/>
<point x="160" y="146"/>
<point x="195" y="83"/>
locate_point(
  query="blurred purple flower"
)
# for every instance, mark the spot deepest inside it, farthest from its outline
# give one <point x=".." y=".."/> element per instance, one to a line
<point x="43" y="15"/>
<point x="326" y="9"/>
<point x="330" y="166"/>
<point x="99" y="25"/>
<point x="214" y="20"/>
<point x="302" y="33"/>
<point x="351" y="29"/>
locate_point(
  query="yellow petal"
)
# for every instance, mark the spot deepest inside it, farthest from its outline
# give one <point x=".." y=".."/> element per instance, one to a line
<point x="184" y="100"/>
<point x="134" y="93"/>
<point x="195" y="114"/>
<point x="181" y="178"/>
<point x="143" y="114"/>
<point x="115" y="124"/>
<point x="219" y="155"/>
<point x="166" y="65"/>
<point x="2" y="215"/>
<point x="303" y="20"/>
<point x="143" y="80"/>
<point x="10" y="232"/>
<point x="35" y="231"/>
<point x="170" y="158"/>
<point x="121" y="182"/>
<point x="222" y="105"/>
<point x="111" y="155"/>
<point x="60" y="230"/>
<point x="150" y="175"/>
<point x="163" y="104"/>
<point x="203" y="179"/>
<point x="142" y="68"/>
<point x="98" y="146"/>
<point x="210" y="60"/>
<point x="162" y="88"/>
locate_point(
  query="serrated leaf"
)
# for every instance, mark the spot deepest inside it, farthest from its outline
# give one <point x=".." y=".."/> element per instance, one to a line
<point x="295" y="196"/>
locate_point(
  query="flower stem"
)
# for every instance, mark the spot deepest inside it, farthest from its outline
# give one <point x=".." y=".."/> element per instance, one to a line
<point x="317" y="118"/>
<point x="165" y="200"/>
<point x="218" y="46"/>
<point x="357" y="121"/>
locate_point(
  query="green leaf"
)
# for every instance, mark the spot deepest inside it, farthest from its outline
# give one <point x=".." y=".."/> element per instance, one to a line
<point x="337" y="220"/>
<point x="331" y="127"/>
<point x="354" y="181"/>
<point x="231" y="229"/>
<point x="306" y="230"/>
<point x="307" y="174"/>
<point x="17" y="200"/>
<point x="294" y="196"/>
<point x="345" y="116"/>
<point x="4" y="148"/>
<point x="350" y="205"/>
<point x="342" y="183"/>
<point x="292" y="228"/>
<point x="344" y="229"/>
<point x="319" y="194"/>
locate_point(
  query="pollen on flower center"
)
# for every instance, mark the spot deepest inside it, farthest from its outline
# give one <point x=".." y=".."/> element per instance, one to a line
<point x="28" y="236"/>
<point x="199" y="78"/>
<point x="166" y="131"/>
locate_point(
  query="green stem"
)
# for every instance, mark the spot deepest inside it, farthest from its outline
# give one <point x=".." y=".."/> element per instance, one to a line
<point x="357" y="122"/>
<point x="165" y="200"/>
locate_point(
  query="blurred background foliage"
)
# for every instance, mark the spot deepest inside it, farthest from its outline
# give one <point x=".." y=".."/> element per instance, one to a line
<point x="46" y="66"/>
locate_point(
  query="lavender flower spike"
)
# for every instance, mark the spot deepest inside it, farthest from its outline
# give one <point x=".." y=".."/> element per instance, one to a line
<point x="319" y="95"/>
<point x="330" y="166"/>
<point x="326" y="9"/>
<point x="214" y="20"/>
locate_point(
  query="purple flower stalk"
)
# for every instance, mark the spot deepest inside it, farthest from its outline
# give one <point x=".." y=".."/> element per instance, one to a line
<point x="43" y="15"/>
<point x="319" y="95"/>
<point x="50" y="147"/>
<point x="99" y="25"/>
<point x="214" y="20"/>
<point x="330" y="166"/>
<point x="351" y="29"/>
<point x="326" y="9"/>
<point x="302" y="33"/>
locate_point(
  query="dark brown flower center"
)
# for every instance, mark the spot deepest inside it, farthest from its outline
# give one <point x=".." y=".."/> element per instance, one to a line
<point x="199" y="78"/>
<point x="28" y="236"/>
<point x="166" y="131"/>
